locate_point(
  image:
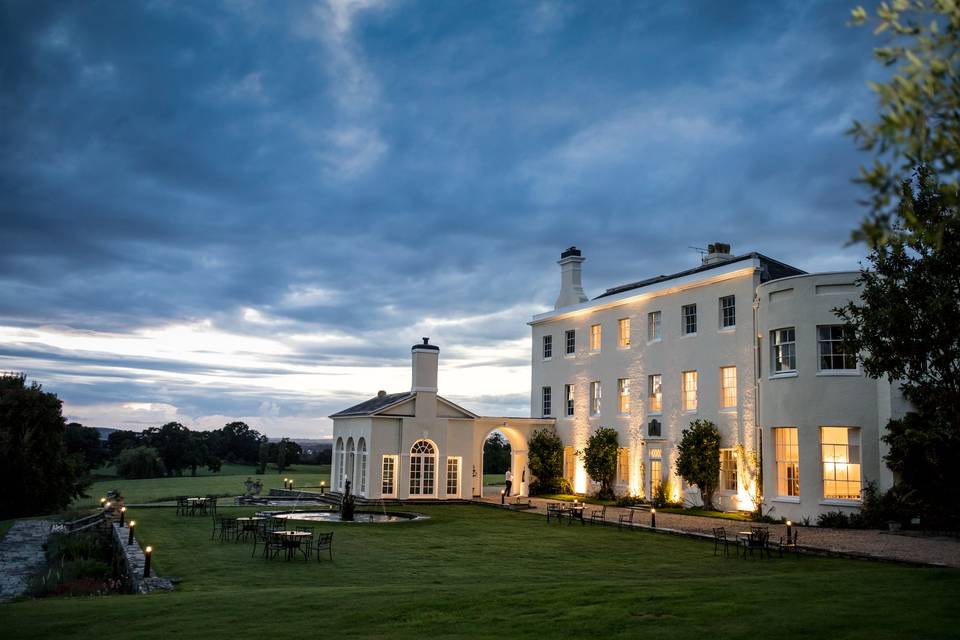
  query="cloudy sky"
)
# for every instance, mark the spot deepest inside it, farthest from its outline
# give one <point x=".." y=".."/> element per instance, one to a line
<point x="242" y="209"/>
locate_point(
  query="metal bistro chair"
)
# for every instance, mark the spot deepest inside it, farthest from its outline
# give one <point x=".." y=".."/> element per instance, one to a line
<point x="183" y="506"/>
<point x="554" y="510"/>
<point x="211" y="504"/>
<point x="321" y="542"/>
<point x="789" y="545"/>
<point x="720" y="540"/>
<point x="626" y="520"/>
<point x="599" y="515"/>
<point x="756" y="541"/>
<point x="264" y="536"/>
<point x="228" y="528"/>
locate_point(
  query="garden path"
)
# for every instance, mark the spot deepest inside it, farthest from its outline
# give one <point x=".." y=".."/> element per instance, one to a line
<point x="873" y="544"/>
<point x="21" y="555"/>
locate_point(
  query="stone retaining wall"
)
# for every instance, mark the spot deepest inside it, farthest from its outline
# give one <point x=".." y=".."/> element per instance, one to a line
<point x="132" y="560"/>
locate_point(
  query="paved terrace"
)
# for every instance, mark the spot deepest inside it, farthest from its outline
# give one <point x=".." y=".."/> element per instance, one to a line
<point x="873" y="544"/>
<point x="21" y="555"/>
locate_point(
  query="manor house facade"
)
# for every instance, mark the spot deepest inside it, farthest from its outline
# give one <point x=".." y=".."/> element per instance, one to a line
<point x="747" y="342"/>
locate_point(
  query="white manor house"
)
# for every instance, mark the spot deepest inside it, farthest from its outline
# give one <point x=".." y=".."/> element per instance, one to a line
<point x="747" y="342"/>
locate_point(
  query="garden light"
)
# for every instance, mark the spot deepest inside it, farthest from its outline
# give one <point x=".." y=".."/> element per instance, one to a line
<point x="789" y="529"/>
<point x="653" y="518"/>
<point x="123" y="514"/>
<point x="133" y="523"/>
<point x="147" y="554"/>
<point x="503" y="493"/>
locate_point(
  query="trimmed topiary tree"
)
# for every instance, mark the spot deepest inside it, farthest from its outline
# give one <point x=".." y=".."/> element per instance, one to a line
<point x="698" y="459"/>
<point x="600" y="459"/>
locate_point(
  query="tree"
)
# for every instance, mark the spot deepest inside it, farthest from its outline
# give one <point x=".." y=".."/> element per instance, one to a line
<point x="139" y="462"/>
<point x="698" y="458"/>
<point x="263" y="456"/>
<point x="281" y="457"/>
<point x="117" y="441"/>
<point x="237" y="442"/>
<point x="600" y="459"/>
<point x="85" y="442"/>
<point x="36" y="472"/>
<point x="496" y="454"/>
<point x="904" y="328"/>
<point x="546" y="463"/>
<point x="201" y="452"/>
<point x="919" y="117"/>
<point x="172" y="442"/>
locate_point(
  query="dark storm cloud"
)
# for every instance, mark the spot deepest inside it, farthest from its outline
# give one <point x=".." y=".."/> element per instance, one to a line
<point x="360" y="171"/>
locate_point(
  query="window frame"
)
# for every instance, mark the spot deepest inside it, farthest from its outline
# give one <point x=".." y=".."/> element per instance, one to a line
<point x="570" y="342"/>
<point x="852" y="449"/>
<point x="724" y="388"/>
<point x="596" y="337"/>
<point x="732" y="308"/>
<point x="395" y="460"/>
<point x="596" y="397"/>
<point x="654" y="326"/>
<point x="458" y="464"/>
<point x="686" y="391"/>
<point x="547" y="347"/>
<point x="655" y="394"/>
<point x="728" y="465"/>
<point x="685" y="319"/>
<point x="569" y="395"/>
<point x="831" y="342"/>
<point x="623" y="333"/>
<point x="782" y="462"/>
<point x="546" y="401"/>
<point x="776" y="345"/>
<point x="623" y="396"/>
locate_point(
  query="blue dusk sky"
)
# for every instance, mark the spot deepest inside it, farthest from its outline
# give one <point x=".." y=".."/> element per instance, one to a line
<point x="250" y="210"/>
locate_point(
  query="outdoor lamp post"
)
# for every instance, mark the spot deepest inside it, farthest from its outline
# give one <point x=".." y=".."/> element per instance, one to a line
<point x="503" y="495"/>
<point x="106" y="505"/>
<point x="653" y="518"/>
<point x="323" y="486"/>
<point x="133" y="523"/>
<point x="102" y="502"/>
<point x="147" y="554"/>
<point x="291" y="484"/>
<point x="789" y="530"/>
<point x="123" y="514"/>
<point x="285" y="481"/>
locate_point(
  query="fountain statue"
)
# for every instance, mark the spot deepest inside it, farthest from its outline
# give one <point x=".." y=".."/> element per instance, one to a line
<point x="347" y="503"/>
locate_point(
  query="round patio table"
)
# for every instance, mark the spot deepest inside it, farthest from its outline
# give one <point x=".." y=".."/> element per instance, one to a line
<point x="292" y="540"/>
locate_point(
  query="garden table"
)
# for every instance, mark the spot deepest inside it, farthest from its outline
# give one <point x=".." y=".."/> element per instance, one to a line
<point x="292" y="541"/>
<point x="248" y="525"/>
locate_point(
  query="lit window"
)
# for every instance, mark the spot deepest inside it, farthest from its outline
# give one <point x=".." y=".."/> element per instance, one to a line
<point x="623" y="391"/>
<point x="688" y="315"/>
<point x="571" y="341"/>
<point x="547" y="347"/>
<point x="783" y="350"/>
<point x="624" y="337"/>
<point x="840" y="450"/>
<point x="453" y="477"/>
<point x="362" y="456"/>
<point x="689" y="390"/>
<point x="655" y="393"/>
<point x="787" y="456"/>
<point x="656" y="469"/>
<point x="595" y="330"/>
<point x="833" y="357"/>
<point x="423" y="465"/>
<point x="728" y="470"/>
<point x="623" y="465"/>
<point x="654" y="429"/>
<point x="388" y="485"/>
<point x="653" y="326"/>
<point x="728" y="312"/>
<point x="728" y="387"/>
<point x="595" y="395"/>
<point x="568" y="392"/>
<point x="547" y="396"/>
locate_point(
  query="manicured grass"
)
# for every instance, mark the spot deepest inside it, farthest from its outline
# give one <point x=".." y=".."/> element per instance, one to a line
<point x="229" y="482"/>
<point x="474" y="571"/>
<point x="569" y="497"/>
<point x="493" y="479"/>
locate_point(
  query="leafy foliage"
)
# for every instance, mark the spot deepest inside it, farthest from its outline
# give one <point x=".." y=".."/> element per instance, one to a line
<point x="85" y="443"/>
<point x="139" y="462"/>
<point x="546" y="464"/>
<point x="698" y="459"/>
<point x="919" y="106"/>
<point x="600" y="459"/>
<point x="37" y="473"/>
<point x="904" y="326"/>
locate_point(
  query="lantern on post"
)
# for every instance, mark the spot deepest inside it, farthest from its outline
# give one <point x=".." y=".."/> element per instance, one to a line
<point x="133" y="523"/>
<point x="147" y="554"/>
<point x="653" y="518"/>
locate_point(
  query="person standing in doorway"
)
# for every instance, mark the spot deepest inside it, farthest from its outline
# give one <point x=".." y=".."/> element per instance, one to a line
<point x="509" y="479"/>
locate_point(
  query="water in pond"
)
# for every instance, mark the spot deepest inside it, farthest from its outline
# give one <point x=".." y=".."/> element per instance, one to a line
<point x="359" y="516"/>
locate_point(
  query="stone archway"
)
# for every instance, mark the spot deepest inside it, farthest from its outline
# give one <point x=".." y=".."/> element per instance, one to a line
<point x="517" y="431"/>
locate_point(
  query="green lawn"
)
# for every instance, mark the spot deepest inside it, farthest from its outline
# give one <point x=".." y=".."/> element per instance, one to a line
<point x="229" y="482"/>
<point x="474" y="571"/>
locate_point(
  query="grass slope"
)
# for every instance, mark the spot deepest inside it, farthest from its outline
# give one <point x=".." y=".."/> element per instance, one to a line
<point x="229" y="482"/>
<point x="473" y="571"/>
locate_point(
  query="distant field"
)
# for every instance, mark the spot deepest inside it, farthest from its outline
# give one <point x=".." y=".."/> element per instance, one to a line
<point x="229" y="482"/>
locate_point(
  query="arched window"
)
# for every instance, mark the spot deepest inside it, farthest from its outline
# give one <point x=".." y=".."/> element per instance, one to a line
<point x="423" y="468"/>
<point x="361" y="480"/>
<point x="338" y="466"/>
<point x="348" y="470"/>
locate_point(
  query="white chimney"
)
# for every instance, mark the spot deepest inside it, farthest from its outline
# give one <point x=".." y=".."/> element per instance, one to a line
<point x="425" y="357"/>
<point x="717" y="252"/>
<point x="571" y="291"/>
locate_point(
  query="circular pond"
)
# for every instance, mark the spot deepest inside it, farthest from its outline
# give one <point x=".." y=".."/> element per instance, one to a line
<point x="359" y="516"/>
